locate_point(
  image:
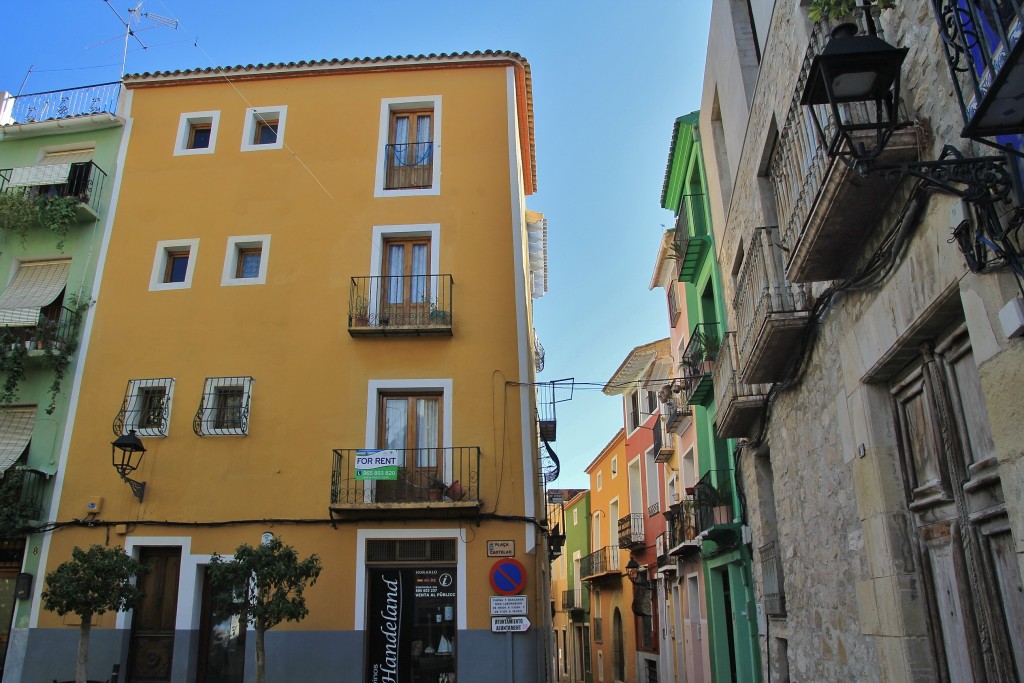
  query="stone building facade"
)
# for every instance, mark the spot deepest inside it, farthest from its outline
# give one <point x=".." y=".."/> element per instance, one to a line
<point x="874" y="384"/>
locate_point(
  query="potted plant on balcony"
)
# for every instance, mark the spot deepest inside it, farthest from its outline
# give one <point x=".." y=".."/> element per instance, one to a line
<point x="359" y="312"/>
<point x="21" y="211"/>
<point x="437" y="315"/>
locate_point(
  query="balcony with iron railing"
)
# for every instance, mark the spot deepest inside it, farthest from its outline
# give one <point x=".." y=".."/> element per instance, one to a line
<point x="771" y="576"/>
<point x="983" y="48"/>
<point x="664" y="444"/>
<point x="600" y="564"/>
<point x="410" y="165"/>
<point x="661" y="548"/>
<point x="60" y="104"/>
<point x="33" y="494"/>
<point x="698" y="362"/>
<point x="682" y="528"/>
<point x="54" y="334"/>
<point x="631" y="531"/>
<point x="82" y="181"/>
<point x="713" y="505"/>
<point x="771" y="312"/>
<point x="441" y="481"/>
<point x="827" y="211"/>
<point x="677" y="411"/>
<point x="740" y="405"/>
<point x="691" y="242"/>
<point x="400" y="305"/>
<point x="576" y="599"/>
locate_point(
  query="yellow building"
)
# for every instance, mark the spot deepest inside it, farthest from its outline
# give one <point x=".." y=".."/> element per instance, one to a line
<point x="315" y="270"/>
<point x="611" y="594"/>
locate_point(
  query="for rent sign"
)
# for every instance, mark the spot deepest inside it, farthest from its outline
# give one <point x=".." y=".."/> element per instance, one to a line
<point x="379" y="465"/>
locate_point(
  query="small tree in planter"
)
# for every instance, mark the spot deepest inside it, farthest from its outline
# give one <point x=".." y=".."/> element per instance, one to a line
<point x="833" y="9"/>
<point x="265" y="584"/>
<point x="92" y="582"/>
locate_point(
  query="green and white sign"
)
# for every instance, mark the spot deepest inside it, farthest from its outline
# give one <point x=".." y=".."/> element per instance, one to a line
<point x="379" y="465"/>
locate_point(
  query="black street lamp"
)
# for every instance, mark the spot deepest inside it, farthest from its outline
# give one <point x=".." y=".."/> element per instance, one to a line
<point x="126" y="455"/>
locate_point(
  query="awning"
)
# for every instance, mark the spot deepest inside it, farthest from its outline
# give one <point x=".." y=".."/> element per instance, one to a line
<point x="35" y="285"/>
<point x="52" y="169"/>
<point x="15" y="432"/>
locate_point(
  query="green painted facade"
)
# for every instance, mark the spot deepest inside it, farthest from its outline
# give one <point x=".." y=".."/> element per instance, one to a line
<point x="22" y="146"/>
<point x="577" y="546"/>
<point x="726" y="560"/>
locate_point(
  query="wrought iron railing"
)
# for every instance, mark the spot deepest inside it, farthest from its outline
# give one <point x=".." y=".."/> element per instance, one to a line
<point x="223" y="407"/>
<point x="424" y="475"/>
<point x="978" y="37"/>
<point x="698" y="361"/>
<point x="691" y="241"/>
<point x="54" y="335"/>
<point x="602" y="561"/>
<point x="728" y="386"/>
<point x="800" y="161"/>
<point x="631" y="530"/>
<point x="674" y="407"/>
<point x="682" y="526"/>
<point x="84" y="182"/>
<point x="145" y="408"/>
<point x="762" y="289"/>
<point x="33" y="493"/>
<point x="661" y="543"/>
<point x="575" y="598"/>
<point x="772" y="577"/>
<point x="654" y="508"/>
<point x="692" y="218"/>
<point x="712" y="497"/>
<point x="409" y="166"/>
<point x="60" y="104"/>
<point x="400" y="303"/>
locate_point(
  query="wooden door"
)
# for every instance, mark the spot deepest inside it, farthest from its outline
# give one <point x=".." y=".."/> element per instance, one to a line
<point x="411" y="425"/>
<point x="221" y="657"/>
<point x="406" y="291"/>
<point x="152" y="642"/>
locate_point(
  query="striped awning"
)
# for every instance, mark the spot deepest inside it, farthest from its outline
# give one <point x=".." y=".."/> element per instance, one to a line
<point x="15" y="432"/>
<point x="35" y="285"/>
<point x="52" y="169"/>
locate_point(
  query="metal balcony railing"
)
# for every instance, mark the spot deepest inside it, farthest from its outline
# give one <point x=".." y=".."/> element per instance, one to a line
<point x="400" y="304"/>
<point x="739" y="404"/>
<point x="682" y="526"/>
<point x="50" y="335"/>
<point x="661" y="543"/>
<point x="631" y="530"/>
<point x="33" y="493"/>
<point x="698" y="360"/>
<point x="712" y="498"/>
<point x="600" y="562"/>
<point x="84" y="181"/>
<point x="410" y="165"/>
<point x="674" y="406"/>
<point x="691" y="242"/>
<point x="425" y="475"/>
<point x="771" y="576"/>
<point x="766" y="305"/>
<point x="574" y="599"/>
<point x="60" y="104"/>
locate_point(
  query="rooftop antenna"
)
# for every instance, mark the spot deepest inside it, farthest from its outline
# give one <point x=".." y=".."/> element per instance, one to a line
<point x="132" y="26"/>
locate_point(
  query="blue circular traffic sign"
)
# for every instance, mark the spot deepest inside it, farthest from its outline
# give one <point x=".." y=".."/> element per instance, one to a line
<point x="508" y="577"/>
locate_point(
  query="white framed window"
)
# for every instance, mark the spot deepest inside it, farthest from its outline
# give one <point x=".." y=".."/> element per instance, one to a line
<point x="633" y="410"/>
<point x="600" y="665"/>
<point x="575" y="517"/>
<point x="174" y="264"/>
<point x="600" y="482"/>
<point x="245" y="260"/>
<point x="615" y="466"/>
<point x="224" y="407"/>
<point x="409" y="147"/>
<point x="197" y="133"/>
<point x="263" y="128"/>
<point x="146" y="408"/>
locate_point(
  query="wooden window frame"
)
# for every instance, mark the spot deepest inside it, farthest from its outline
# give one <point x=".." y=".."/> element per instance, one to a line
<point x="240" y="261"/>
<point x="195" y="128"/>
<point x="262" y="125"/>
<point x="173" y="256"/>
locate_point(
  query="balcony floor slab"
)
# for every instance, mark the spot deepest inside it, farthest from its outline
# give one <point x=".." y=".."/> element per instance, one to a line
<point x="773" y="347"/>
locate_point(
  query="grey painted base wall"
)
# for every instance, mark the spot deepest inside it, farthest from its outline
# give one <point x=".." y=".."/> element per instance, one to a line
<point x="45" y="655"/>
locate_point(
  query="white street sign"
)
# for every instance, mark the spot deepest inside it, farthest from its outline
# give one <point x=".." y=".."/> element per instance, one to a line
<point x="509" y="624"/>
<point x="508" y="605"/>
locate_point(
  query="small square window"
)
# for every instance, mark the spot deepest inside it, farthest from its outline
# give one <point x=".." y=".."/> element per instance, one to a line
<point x="197" y="133"/>
<point x="224" y="407"/>
<point x="245" y="261"/>
<point x="146" y="407"/>
<point x="263" y="128"/>
<point x="174" y="264"/>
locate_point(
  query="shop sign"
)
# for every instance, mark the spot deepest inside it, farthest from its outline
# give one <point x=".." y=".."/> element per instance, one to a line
<point x="508" y="605"/>
<point x="509" y="624"/>
<point x="501" y="548"/>
<point x="390" y="626"/>
<point x="377" y="465"/>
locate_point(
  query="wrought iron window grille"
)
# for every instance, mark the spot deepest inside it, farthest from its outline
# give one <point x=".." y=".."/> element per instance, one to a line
<point x="224" y="407"/>
<point x="146" y="407"/>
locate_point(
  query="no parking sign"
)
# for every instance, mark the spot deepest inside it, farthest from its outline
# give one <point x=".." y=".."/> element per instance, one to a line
<point x="508" y="577"/>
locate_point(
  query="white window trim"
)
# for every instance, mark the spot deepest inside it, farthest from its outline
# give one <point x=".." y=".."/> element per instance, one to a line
<point x="600" y="482"/>
<point x="249" y="127"/>
<point x="614" y="466"/>
<point x="385" y="232"/>
<point x="210" y="411"/>
<point x="185" y="123"/>
<point x="235" y="245"/>
<point x="135" y="398"/>
<point x="163" y="248"/>
<point x="186" y="617"/>
<point x="575" y="516"/>
<point x="628" y="404"/>
<point x="362" y="535"/>
<point x="388" y="105"/>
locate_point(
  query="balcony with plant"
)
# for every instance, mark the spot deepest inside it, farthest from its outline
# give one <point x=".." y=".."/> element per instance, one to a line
<point x="715" y="511"/>
<point x="400" y="305"/>
<point x="698" y="362"/>
<point x="55" y="196"/>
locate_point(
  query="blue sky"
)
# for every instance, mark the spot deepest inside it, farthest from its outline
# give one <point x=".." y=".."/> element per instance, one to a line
<point x="609" y="79"/>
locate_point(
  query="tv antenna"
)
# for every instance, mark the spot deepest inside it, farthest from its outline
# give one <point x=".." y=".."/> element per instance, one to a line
<point x="133" y="25"/>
